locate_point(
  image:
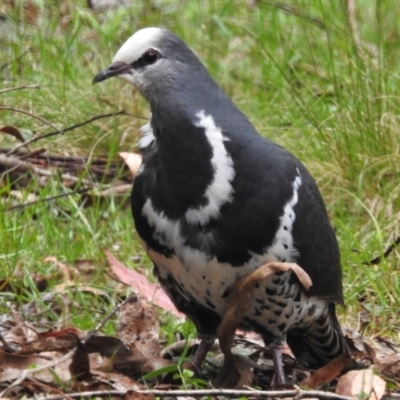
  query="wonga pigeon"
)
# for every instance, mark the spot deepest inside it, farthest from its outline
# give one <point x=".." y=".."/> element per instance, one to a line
<point x="214" y="200"/>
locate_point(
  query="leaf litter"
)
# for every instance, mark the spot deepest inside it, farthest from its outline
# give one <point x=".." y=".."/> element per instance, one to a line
<point x="67" y="362"/>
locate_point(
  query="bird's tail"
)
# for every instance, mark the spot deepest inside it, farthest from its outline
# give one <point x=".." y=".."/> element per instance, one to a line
<point x="319" y="343"/>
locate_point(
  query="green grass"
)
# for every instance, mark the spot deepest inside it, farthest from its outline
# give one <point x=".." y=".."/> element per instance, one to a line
<point x="304" y="78"/>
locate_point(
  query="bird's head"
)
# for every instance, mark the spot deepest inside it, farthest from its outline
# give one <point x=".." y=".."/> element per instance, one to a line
<point x="151" y="59"/>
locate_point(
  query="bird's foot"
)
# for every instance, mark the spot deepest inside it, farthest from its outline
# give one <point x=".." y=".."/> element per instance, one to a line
<point x="276" y="353"/>
<point x="201" y="352"/>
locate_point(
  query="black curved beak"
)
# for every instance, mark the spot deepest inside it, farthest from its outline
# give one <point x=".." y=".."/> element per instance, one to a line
<point x="114" y="69"/>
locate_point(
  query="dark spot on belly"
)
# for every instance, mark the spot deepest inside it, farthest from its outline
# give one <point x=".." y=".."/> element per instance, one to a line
<point x="226" y="293"/>
<point x="278" y="312"/>
<point x="274" y="300"/>
<point x="270" y="291"/>
<point x="288" y="315"/>
<point x="282" y="327"/>
<point x="312" y="310"/>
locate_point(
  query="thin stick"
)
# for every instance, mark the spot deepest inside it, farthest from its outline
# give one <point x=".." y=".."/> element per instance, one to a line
<point x="291" y="10"/>
<point x="107" y="318"/>
<point x="30" y="203"/>
<point x="386" y="253"/>
<point x="19" y="88"/>
<point x="256" y="394"/>
<point x="24" y="166"/>
<point x="31" y="115"/>
<point x="70" y="128"/>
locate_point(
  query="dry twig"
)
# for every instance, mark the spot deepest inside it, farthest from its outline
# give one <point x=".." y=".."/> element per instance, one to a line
<point x="24" y="166"/>
<point x="251" y="394"/>
<point x="30" y="203"/>
<point x="19" y="88"/>
<point x="70" y="128"/>
<point x="31" y="115"/>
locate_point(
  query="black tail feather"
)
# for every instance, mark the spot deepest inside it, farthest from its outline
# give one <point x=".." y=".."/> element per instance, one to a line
<point x="319" y="343"/>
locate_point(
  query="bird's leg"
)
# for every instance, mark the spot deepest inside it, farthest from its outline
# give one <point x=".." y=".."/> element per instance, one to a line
<point x="201" y="352"/>
<point x="276" y="353"/>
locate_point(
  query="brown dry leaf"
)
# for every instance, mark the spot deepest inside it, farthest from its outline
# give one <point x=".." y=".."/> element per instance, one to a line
<point x="136" y="365"/>
<point x="236" y="306"/>
<point x="139" y="329"/>
<point x="31" y="12"/>
<point x="107" y="346"/>
<point x="118" y="381"/>
<point x="138" y="326"/>
<point x="327" y="373"/>
<point x="389" y="367"/>
<point x="133" y="161"/>
<point x="362" y="384"/>
<point x="62" y="342"/>
<point x="80" y="366"/>
<point x="15" y="361"/>
<point x="65" y="269"/>
<point x="140" y="284"/>
<point x="13" y="131"/>
<point x="236" y="373"/>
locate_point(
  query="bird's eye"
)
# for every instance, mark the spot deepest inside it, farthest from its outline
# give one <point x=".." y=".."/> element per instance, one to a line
<point x="150" y="56"/>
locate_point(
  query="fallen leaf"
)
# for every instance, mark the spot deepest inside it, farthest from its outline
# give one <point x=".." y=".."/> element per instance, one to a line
<point x="153" y="293"/>
<point x="63" y="342"/>
<point x="80" y="366"/>
<point x="389" y="367"/>
<point x="65" y="269"/>
<point x="107" y="346"/>
<point x="327" y="373"/>
<point x="13" y="131"/>
<point x="362" y="384"/>
<point x="138" y="326"/>
<point x="133" y="161"/>
<point x="236" y="373"/>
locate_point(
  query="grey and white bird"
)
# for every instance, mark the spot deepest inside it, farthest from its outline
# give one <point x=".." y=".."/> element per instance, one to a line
<point x="214" y="200"/>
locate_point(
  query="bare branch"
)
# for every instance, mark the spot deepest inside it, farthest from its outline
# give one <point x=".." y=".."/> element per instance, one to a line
<point x="47" y="199"/>
<point x="24" y="166"/>
<point x="250" y="394"/>
<point x="19" y="88"/>
<point x="386" y="253"/>
<point x="70" y="128"/>
<point x="31" y="115"/>
<point x="107" y="318"/>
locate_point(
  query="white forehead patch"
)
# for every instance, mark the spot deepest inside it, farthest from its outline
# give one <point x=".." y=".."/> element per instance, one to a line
<point x="137" y="44"/>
